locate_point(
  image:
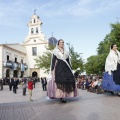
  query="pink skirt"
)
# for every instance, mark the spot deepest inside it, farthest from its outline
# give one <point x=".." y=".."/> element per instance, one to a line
<point x="53" y="92"/>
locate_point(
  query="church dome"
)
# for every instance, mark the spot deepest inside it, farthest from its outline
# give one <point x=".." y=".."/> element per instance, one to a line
<point x="52" y="41"/>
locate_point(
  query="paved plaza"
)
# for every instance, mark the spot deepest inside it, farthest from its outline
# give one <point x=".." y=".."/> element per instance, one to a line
<point x="87" y="106"/>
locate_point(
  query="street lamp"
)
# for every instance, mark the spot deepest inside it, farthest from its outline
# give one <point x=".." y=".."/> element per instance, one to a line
<point x="68" y="46"/>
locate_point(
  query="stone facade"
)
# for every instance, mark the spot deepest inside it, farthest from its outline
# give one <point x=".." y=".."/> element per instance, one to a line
<point x="13" y="56"/>
<point x="25" y="53"/>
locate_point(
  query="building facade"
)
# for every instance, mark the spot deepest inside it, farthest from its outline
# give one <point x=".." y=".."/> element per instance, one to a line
<point x="18" y="59"/>
<point x="12" y="60"/>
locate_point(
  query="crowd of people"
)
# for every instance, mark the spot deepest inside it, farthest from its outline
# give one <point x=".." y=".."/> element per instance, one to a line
<point x="91" y="83"/>
<point x="26" y="83"/>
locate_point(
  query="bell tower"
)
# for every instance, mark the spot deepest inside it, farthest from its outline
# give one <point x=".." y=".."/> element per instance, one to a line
<point x="35" y="31"/>
<point x="35" y="44"/>
<point x="35" y="25"/>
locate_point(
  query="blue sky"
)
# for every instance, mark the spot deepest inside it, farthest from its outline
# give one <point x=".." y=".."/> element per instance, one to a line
<point x="83" y="23"/>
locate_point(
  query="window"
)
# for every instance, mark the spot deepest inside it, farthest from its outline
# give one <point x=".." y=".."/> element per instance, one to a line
<point x="7" y="57"/>
<point x="34" y="20"/>
<point x="15" y="59"/>
<point x="34" y="51"/>
<point x="32" y="31"/>
<point x="36" y="30"/>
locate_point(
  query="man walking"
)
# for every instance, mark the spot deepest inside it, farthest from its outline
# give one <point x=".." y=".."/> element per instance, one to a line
<point x="15" y="85"/>
<point x="11" y="83"/>
<point x="44" y="83"/>
<point x="30" y="88"/>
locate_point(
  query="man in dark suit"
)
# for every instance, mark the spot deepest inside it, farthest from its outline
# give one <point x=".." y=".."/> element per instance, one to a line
<point x="4" y="82"/>
<point x="44" y="83"/>
<point x="17" y="82"/>
<point x="11" y="83"/>
<point x="1" y="84"/>
<point x="34" y="81"/>
<point x="15" y="85"/>
<point x="7" y="80"/>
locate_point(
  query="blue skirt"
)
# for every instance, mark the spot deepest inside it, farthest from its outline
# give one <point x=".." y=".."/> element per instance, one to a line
<point x="109" y="84"/>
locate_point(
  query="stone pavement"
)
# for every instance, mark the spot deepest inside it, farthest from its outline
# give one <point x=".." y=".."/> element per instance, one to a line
<point x="87" y="106"/>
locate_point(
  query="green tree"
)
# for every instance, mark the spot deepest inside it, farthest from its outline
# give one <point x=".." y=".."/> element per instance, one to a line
<point x="112" y="38"/>
<point x="104" y="46"/>
<point x="44" y="61"/>
<point x="96" y="64"/>
<point x="76" y="60"/>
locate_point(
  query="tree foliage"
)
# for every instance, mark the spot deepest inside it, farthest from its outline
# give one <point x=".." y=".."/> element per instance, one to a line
<point x="76" y="60"/>
<point x="44" y="61"/>
<point x="96" y="64"/>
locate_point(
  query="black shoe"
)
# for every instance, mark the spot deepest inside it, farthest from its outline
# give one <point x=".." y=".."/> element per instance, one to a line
<point x="63" y="100"/>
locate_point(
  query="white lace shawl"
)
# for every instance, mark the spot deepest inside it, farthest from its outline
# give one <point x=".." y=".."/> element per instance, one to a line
<point x="60" y="55"/>
<point x="111" y="61"/>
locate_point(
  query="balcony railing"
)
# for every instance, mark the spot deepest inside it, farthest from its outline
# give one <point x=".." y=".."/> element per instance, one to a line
<point x="16" y="65"/>
<point x="7" y="64"/>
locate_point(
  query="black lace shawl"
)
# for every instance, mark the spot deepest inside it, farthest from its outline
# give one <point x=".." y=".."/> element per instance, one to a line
<point x="64" y="77"/>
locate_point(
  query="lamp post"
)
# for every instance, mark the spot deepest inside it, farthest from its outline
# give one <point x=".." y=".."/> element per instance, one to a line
<point x="68" y="46"/>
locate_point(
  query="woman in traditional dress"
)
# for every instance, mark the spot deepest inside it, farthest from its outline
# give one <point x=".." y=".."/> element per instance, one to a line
<point x="62" y="85"/>
<point x="111" y="78"/>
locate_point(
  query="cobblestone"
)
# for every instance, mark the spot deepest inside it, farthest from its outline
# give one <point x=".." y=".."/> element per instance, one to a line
<point x="87" y="106"/>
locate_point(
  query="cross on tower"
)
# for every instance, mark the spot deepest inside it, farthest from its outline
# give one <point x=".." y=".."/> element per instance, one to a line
<point x="117" y="19"/>
<point x="52" y="33"/>
<point x="35" y="11"/>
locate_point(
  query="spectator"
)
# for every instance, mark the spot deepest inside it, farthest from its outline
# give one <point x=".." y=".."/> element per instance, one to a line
<point x="15" y="85"/>
<point x="83" y="81"/>
<point x="38" y="79"/>
<point x="1" y="84"/>
<point x="91" y="86"/>
<point x="94" y="85"/>
<point x="88" y="84"/>
<point x="30" y="88"/>
<point x="44" y="83"/>
<point x="24" y="85"/>
<point x="4" y="81"/>
<point x="99" y="86"/>
<point x="11" y="83"/>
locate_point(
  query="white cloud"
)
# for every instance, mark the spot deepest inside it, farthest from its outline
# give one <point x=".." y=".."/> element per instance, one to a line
<point x="15" y="11"/>
<point x="86" y="7"/>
